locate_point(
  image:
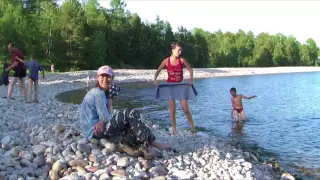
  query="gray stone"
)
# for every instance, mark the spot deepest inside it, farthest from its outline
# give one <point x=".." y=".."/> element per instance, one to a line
<point x="84" y="148"/>
<point x="39" y="149"/>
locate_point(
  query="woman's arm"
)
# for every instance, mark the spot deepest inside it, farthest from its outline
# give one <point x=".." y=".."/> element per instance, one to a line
<point x="102" y="110"/>
<point x="162" y="66"/>
<point x="188" y="66"/>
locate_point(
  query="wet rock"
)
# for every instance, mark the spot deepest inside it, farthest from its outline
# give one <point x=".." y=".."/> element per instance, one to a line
<point x="287" y="176"/>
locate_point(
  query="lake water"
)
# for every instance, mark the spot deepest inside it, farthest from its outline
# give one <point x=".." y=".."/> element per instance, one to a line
<point x="284" y="119"/>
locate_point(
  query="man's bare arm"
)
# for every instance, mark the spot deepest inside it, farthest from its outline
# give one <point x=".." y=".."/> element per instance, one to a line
<point x="232" y="109"/>
<point x="248" y="97"/>
<point x="19" y="59"/>
<point x="15" y="64"/>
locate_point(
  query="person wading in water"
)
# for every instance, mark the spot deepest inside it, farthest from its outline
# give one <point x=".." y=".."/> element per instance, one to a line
<point x="174" y="65"/>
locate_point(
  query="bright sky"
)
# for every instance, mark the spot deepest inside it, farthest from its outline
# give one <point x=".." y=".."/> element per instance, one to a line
<point x="297" y="18"/>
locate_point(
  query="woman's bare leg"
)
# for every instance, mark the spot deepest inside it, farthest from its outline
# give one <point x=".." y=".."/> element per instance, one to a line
<point x="185" y="107"/>
<point x="172" y="107"/>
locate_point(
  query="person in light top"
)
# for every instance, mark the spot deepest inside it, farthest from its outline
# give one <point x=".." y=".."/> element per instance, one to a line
<point x="97" y="122"/>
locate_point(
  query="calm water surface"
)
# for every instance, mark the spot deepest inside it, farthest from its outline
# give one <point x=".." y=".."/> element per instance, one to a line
<point x="283" y="120"/>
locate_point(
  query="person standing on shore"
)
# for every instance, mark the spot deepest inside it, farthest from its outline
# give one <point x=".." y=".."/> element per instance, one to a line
<point x="34" y="67"/>
<point x="237" y="107"/>
<point x="17" y="59"/>
<point x="52" y="68"/>
<point x="174" y="65"/>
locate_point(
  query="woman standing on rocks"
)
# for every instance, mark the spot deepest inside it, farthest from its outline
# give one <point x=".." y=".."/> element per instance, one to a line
<point x="175" y="64"/>
<point x="97" y="122"/>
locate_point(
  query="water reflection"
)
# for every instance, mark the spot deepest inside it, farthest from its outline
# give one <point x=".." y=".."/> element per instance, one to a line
<point x="237" y="128"/>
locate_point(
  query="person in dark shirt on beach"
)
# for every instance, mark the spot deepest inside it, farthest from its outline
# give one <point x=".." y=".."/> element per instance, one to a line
<point x="237" y="107"/>
<point x="17" y="59"/>
<point x="34" y="67"/>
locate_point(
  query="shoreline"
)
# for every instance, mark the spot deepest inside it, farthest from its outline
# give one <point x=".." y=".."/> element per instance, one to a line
<point x="146" y="75"/>
<point x="38" y="138"/>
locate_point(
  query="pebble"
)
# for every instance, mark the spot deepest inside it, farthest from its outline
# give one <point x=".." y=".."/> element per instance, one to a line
<point x="39" y="149"/>
<point x="6" y="140"/>
<point x="44" y="142"/>
<point x="57" y="166"/>
<point x="123" y="162"/>
<point x="287" y="176"/>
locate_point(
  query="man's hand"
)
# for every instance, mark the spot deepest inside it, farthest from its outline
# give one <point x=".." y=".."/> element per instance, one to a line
<point x="7" y="69"/>
<point x="98" y="128"/>
<point x="253" y="97"/>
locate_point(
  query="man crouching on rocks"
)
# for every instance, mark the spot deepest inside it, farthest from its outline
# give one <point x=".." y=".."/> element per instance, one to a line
<point x="96" y="121"/>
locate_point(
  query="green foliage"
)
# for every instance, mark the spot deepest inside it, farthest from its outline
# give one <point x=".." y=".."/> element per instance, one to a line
<point x="83" y="35"/>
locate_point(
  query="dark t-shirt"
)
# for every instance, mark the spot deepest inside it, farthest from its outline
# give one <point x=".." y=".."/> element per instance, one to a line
<point x="17" y="53"/>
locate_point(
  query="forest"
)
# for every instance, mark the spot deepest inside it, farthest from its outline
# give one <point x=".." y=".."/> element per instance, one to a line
<point x="77" y="35"/>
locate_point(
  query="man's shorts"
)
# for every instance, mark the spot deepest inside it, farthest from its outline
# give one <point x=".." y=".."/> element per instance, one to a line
<point x="20" y="72"/>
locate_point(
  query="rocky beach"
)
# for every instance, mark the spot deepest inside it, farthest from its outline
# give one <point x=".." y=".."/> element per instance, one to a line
<point x="43" y="141"/>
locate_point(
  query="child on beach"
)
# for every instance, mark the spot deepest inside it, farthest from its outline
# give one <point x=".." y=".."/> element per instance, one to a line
<point x="237" y="107"/>
<point x="34" y="67"/>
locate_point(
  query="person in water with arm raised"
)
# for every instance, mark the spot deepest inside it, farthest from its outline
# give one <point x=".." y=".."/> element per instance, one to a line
<point x="237" y="106"/>
<point x="174" y="65"/>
